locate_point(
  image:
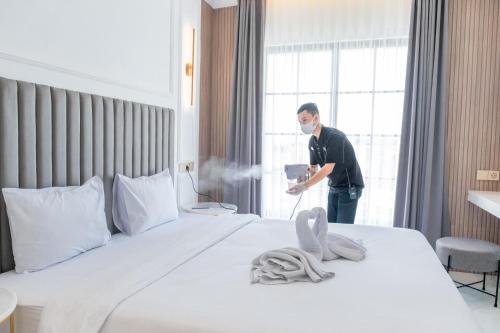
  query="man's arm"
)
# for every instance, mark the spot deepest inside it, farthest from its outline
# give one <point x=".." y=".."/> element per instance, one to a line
<point x="318" y="176"/>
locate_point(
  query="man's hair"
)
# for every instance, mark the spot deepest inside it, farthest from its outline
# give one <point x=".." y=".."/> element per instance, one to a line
<point x="312" y="108"/>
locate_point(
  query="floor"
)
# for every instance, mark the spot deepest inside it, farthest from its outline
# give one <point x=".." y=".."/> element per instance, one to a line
<point x="481" y="305"/>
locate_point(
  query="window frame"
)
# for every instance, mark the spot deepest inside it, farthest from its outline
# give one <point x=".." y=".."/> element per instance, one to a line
<point x="334" y="48"/>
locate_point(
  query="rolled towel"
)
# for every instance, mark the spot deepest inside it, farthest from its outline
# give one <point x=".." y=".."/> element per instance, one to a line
<point x="287" y="265"/>
<point x="320" y="243"/>
<point x="346" y="247"/>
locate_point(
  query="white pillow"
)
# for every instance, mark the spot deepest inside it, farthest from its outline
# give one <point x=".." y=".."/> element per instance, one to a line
<point x="53" y="224"/>
<point x="144" y="202"/>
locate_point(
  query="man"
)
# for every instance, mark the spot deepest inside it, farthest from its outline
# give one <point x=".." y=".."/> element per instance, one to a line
<point x="331" y="150"/>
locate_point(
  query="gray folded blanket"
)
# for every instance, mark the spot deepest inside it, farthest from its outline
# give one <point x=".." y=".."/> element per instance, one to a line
<point x="287" y="265"/>
<point x="322" y="244"/>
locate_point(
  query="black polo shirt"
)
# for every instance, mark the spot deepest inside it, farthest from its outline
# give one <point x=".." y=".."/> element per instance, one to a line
<point x="334" y="147"/>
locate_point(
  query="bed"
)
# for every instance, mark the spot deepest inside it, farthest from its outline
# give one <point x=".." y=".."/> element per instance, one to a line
<point x="399" y="287"/>
<point x="192" y="274"/>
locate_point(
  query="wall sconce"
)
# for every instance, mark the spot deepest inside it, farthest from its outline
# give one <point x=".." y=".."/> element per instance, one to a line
<point x="190" y="68"/>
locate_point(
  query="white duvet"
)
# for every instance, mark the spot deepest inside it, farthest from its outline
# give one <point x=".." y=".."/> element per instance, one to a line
<point x="78" y="295"/>
<point x="399" y="287"/>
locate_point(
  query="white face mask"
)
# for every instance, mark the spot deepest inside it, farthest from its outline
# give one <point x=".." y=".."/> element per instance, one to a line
<point x="308" y="128"/>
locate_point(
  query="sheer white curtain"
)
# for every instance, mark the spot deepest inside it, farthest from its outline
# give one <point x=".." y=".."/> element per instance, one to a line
<point x="348" y="57"/>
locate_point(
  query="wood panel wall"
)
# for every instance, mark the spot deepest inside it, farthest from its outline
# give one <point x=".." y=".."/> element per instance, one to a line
<point x="474" y="112"/>
<point x="217" y="44"/>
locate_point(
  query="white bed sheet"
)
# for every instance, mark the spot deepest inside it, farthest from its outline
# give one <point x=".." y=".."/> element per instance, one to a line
<point x="399" y="287"/>
<point x="66" y="284"/>
<point x="34" y="290"/>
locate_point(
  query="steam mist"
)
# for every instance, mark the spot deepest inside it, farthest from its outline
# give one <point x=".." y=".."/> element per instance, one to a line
<point x="214" y="173"/>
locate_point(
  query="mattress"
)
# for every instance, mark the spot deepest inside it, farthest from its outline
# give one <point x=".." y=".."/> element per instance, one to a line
<point x="400" y="287"/>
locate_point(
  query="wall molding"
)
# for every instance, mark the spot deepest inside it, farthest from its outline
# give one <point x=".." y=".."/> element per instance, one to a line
<point x="167" y="93"/>
<point x="82" y="75"/>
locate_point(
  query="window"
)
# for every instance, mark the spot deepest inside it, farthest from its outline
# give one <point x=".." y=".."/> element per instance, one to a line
<point x="359" y="89"/>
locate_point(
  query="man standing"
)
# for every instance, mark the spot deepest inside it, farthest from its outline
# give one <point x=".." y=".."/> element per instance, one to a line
<point x="331" y="150"/>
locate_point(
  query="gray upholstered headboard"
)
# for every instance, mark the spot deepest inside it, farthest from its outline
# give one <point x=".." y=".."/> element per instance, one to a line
<point x="56" y="137"/>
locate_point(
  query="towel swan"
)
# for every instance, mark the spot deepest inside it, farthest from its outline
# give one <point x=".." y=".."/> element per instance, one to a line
<point x="289" y="264"/>
<point x="322" y="244"/>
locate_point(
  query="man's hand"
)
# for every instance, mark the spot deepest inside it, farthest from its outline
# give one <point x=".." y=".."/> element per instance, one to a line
<point x="322" y="173"/>
<point x="312" y="170"/>
<point x="297" y="189"/>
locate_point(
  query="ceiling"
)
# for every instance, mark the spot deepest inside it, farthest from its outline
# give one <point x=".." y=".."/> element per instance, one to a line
<point x="221" y="3"/>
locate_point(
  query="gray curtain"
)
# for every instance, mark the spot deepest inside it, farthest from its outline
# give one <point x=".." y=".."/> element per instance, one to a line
<point x="244" y="144"/>
<point x="421" y="191"/>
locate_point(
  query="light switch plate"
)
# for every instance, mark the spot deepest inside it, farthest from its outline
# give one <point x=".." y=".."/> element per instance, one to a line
<point x="482" y="175"/>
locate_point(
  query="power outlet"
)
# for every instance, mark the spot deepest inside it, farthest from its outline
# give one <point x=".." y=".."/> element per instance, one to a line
<point x="493" y="175"/>
<point x="185" y="165"/>
<point x="488" y="175"/>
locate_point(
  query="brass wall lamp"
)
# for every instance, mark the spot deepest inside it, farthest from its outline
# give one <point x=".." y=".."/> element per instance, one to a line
<point x="190" y="68"/>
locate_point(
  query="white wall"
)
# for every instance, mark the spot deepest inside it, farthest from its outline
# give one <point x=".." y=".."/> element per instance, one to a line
<point x="190" y="13"/>
<point x="127" y="49"/>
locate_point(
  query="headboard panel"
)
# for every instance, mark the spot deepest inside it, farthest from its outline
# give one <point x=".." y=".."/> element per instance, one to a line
<point x="56" y="137"/>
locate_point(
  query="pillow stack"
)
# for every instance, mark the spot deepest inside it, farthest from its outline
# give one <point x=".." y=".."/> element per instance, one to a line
<point x="144" y="202"/>
<point x="51" y="225"/>
<point x="54" y="224"/>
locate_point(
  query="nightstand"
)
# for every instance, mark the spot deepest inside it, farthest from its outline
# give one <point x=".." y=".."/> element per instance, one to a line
<point x="211" y="208"/>
<point x="8" y="302"/>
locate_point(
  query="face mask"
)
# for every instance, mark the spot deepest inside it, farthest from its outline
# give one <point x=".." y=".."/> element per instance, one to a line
<point x="307" y="128"/>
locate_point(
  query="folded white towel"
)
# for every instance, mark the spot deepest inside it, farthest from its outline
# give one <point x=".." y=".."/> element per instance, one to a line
<point x="346" y="247"/>
<point x="321" y="244"/>
<point x="287" y="265"/>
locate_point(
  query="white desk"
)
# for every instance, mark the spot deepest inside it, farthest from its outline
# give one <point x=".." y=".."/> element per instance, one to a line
<point x="487" y="200"/>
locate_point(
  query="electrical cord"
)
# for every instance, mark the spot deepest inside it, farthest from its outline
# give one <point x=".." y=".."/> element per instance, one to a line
<point x="206" y="195"/>
<point x="293" y="212"/>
